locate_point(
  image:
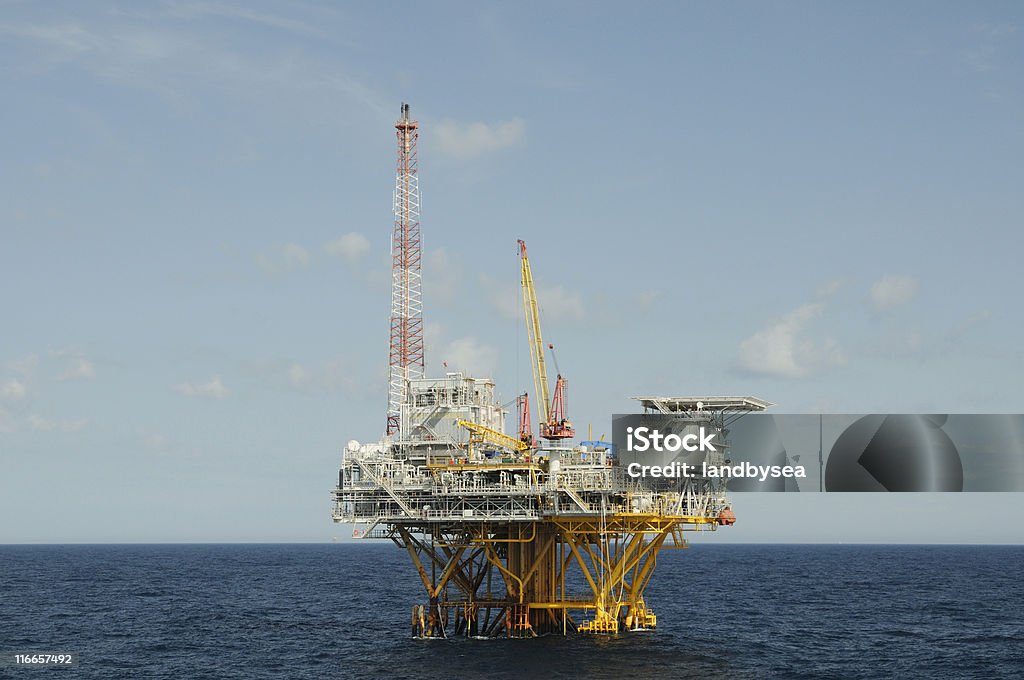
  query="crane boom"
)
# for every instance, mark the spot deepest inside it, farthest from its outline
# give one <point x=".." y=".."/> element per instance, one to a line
<point x="553" y="422"/>
<point x="484" y="434"/>
<point x="540" y="371"/>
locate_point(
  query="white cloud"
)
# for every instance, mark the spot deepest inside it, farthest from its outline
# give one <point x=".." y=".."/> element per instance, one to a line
<point x="646" y="299"/>
<point x="340" y="374"/>
<point x="893" y="290"/>
<point x="79" y="368"/>
<point x="350" y="247"/>
<point x="829" y="288"/>
<point x="283" y="259"/>
<point x="330" y="376"/>
<point x="782" y="348"/>
<point x="214" y="389"/>
<point x="507" y="299"/>
<point x="25" y="365"/>
<point x="293" y="376"/>
<point x="295" y="255"/>
<point x="465" y="141"/>
<point x="470" y="356"/>
<point x="560" y="302"/>
<point x="40" y="424"/>
<point x="18" y="388"/>
<point x="156" y="441"/>
<point x="164" y="445"/>
<point x="298" y="376"/>
<point x="967" y="324"/>
<point x="76" y="365"/>
<point x="556" y="302"/>
<point x="13" y="390"/>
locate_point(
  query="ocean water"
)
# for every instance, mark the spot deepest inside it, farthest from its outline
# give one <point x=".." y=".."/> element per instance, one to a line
<point x="342" y="611"/>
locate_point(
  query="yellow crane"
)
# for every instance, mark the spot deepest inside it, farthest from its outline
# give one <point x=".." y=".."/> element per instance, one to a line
<point x="482" y="433"/>
<point x="550" y="411"/>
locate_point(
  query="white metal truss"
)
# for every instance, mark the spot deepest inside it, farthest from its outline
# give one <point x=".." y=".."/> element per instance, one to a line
<point x="406" y="282"/>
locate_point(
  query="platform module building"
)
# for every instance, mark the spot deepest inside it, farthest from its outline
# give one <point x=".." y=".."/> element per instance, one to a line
<point x="517" y="534"/>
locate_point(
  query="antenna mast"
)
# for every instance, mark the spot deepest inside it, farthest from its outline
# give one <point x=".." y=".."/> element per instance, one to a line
<point x="406" y="360"/>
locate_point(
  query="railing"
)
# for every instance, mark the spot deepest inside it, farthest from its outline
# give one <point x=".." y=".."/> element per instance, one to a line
<point x="384" y="484"/>
<point x="390" y="490"/>
<point x="586" y="507"/>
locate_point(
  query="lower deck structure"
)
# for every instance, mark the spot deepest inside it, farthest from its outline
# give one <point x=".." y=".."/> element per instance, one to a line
<point x="516" y="580"/>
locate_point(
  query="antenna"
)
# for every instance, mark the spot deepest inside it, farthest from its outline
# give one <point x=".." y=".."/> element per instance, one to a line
<point x="405" y="354"/>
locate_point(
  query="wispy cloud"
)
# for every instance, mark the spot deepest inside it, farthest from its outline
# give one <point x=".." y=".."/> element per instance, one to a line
<point x="13" y="389"/>
<point x="465" y="141"/>
<point x="77" y="366"/>
<point x="282" y="259"/>
<point x="339" y="374"/>
<point x="829" y="288"/>
<point x="967" y="324"/>
<point x="647" y="298"/>
<point x="66" y="38"/>
<point x="196" y="10"/>
<point x="351" y="247"/>
<point x="162" y="443"/>
<point x="215" y="389"/>
<point x="556" y="303"/>
<point x="784" y="349"/>
<point x="179" y="54"/>
<point x="561" y="302"/>
<point x="298" y="376"/>
<point x="18" y="384"/>
<point x="893" y="290"/>
<point x="156" y="441"/>
<point x="25" y="365"/>
<point x="506" y="298"/>
<point x="470" y="355"/>
<point x="911" y="342"/>
<point x="984" y="54"/>
<point x="310" y="377"/>
<point x="40" y="424"/>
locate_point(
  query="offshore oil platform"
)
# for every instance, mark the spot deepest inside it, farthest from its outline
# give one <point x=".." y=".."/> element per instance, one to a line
<point x="513" y="534"/>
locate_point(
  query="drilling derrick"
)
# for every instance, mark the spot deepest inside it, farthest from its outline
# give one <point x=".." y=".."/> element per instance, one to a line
<point x="510" y="535"/>
<point x="406" y="360"/>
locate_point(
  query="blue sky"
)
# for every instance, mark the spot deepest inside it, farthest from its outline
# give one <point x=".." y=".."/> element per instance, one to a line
<point x="815" y="203"/>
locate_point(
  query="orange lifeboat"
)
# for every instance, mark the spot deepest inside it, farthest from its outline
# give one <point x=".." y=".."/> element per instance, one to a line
<point x="727" y="517"/>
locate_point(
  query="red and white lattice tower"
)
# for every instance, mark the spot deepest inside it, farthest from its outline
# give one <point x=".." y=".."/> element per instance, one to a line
<point x="406" y="354"/>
